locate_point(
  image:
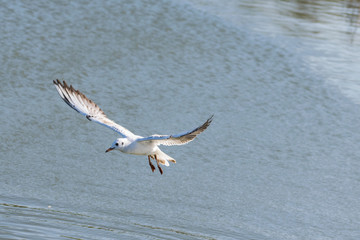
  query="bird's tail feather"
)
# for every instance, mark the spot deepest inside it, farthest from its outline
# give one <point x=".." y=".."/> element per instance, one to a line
<point x="163" y="158"/>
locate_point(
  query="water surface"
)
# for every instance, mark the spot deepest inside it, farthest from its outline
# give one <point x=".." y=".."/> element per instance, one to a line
<point x="280" y="160"/>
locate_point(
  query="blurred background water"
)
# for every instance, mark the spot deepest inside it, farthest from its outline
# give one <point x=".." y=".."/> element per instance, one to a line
<point x="280" y="161"/>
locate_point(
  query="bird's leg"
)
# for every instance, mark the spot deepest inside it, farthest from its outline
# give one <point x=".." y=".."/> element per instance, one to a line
<point x="151" y="165"/>
<point x="157" y="161"/>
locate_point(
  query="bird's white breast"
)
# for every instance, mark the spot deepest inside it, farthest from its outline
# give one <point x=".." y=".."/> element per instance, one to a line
<point x="141" y="148"/>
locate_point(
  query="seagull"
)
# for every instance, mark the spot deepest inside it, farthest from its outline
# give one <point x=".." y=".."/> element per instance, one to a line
<point x="128" y="142"/>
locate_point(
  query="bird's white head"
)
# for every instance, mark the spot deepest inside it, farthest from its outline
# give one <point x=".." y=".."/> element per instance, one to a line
<point x="118" y="144"/>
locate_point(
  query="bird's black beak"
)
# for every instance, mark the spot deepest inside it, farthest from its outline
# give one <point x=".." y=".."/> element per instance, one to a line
<point x="110" y="149"/>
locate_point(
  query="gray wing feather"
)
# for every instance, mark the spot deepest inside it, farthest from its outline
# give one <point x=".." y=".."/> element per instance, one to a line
<point x="177" y="139"/>
<point x="83" y="105"/>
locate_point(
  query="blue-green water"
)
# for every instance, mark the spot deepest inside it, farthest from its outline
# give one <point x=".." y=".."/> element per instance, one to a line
<point x="280" y="160"/>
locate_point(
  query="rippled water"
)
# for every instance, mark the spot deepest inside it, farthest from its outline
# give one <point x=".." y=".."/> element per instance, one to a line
<point x="280" y="161"/>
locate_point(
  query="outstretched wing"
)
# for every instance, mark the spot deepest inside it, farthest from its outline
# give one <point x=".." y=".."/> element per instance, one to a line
<point x="79" y="102"/>
<point x="177" y="139"/>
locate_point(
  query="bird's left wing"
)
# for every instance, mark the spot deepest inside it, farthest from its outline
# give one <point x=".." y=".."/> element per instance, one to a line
<point x="177" y="139"/>
<point x="83" y="105"/>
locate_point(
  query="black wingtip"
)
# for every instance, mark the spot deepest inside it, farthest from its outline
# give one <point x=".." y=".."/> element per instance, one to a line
<point x="58" y="82"/>
<point x="210" y="119"/>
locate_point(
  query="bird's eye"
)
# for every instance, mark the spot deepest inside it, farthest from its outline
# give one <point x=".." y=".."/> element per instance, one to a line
<point x="122" y="143"/>
<point x="116" y="144"/>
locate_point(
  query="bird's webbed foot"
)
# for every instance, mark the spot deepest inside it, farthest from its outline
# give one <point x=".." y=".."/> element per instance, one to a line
<point x="160" y="169"/>
<point x="150" y="163"/>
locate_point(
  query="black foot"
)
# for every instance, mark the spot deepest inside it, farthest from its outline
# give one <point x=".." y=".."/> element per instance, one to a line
<point x="151" y="165"/>
<point x="161" y="171"/>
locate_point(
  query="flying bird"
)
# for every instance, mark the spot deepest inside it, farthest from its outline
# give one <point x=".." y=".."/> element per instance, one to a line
<point x="128" y="142"/>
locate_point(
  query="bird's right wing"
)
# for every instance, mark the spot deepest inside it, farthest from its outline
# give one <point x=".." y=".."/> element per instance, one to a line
<point x="177" y="139"/>
<point x="80" y="103"/>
